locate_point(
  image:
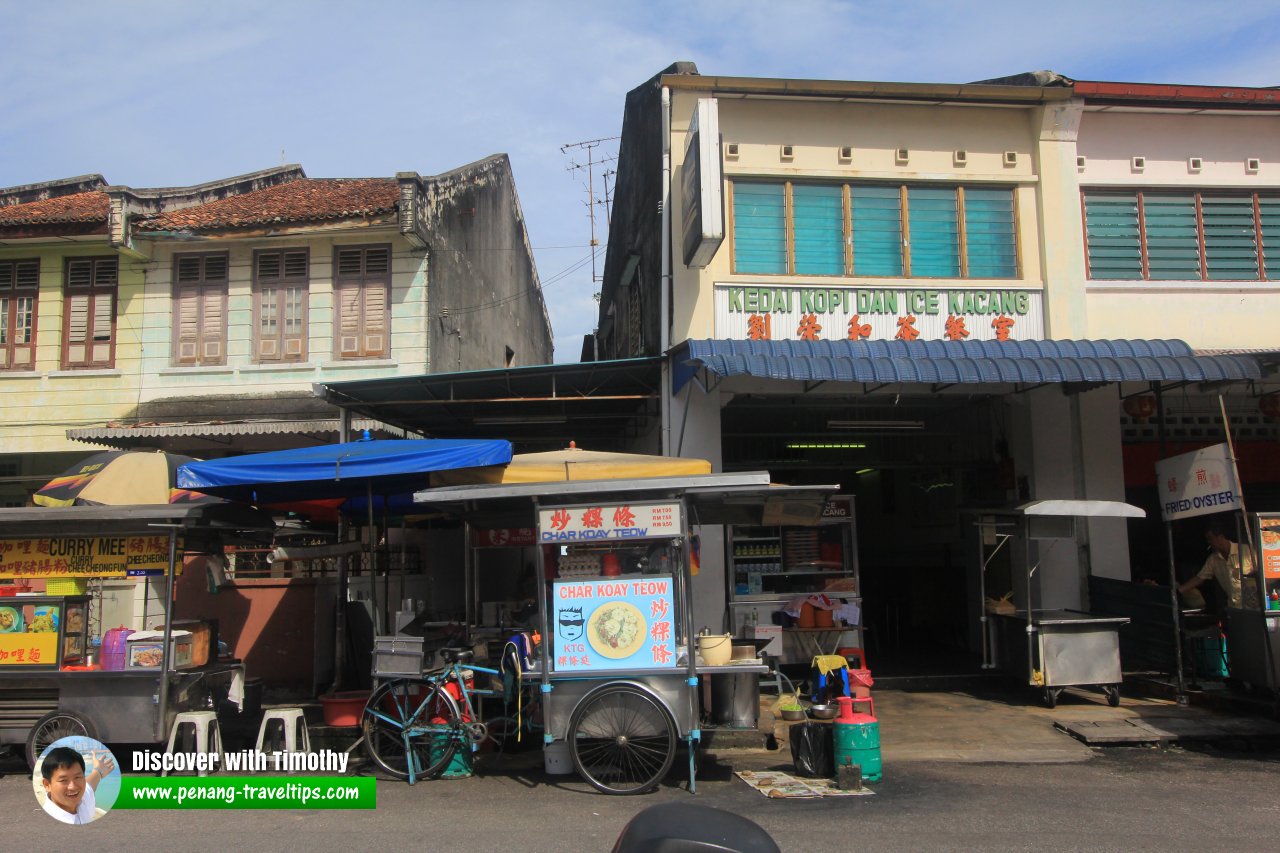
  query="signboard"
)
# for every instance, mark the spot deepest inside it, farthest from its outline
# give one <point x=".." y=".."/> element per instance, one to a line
<point x="806" y="313"/>
<point x="609" y="522"/>
<point x="1197" y="483"/>
<point x="29" y="649"/>
<point x="83" y="557"/>
<point x="613" y="624"/>
<point x="504" y="537"/>
<point x="702" y="187"/>
<point x="1269" y="545"/>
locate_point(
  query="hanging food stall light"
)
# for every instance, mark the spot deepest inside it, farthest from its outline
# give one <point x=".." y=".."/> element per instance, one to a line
<point x="826" y="445"/>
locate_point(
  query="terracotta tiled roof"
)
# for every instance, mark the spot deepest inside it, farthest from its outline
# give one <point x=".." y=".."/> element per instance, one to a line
<point x="305" y="200"/>
<point x="79" y="207"/>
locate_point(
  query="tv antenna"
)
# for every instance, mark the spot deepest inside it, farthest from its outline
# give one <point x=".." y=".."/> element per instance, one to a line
<point x="590" y="146"/>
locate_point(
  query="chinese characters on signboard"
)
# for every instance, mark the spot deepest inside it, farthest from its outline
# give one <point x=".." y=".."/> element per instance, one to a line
<point x="83" y="557"/>
<point x="612" y="522"/>
<point x="613" y="624"/>
<point x="796" y="313"/>
<point x="1197" y="483"/>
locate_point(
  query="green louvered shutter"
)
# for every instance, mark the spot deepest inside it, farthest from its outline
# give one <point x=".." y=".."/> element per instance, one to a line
<point x="1111" y="229"/>
<point x="877" y="231"/>
<point x="1269" y="215"/>
<point x="935" y="233"/>
<point x="819" y="229"/>
<point x="990" y="238"/>
<point x="759" y="228"/>
<point x="1173" y="240"/>
<point x="1230" y="237"/>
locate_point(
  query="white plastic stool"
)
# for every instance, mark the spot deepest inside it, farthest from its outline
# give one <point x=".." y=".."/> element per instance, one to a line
<point x="208" y="735"/>
<point x="292" y="723"/>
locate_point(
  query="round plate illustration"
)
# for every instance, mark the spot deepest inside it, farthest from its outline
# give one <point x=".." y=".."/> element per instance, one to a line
<point x="617" y="630"/>
<point x="10" y="620"/>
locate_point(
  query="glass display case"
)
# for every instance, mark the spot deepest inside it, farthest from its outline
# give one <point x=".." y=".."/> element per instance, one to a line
<point x="43" y="632"/>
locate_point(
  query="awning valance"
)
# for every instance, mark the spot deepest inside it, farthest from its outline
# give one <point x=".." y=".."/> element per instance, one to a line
<point x="962" y="362"/>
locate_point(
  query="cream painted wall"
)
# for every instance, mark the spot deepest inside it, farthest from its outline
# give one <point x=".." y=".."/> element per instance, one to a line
<point x="1207" y="315"/>
<point x="816" y="130"/>
<point x="40" y="405"/>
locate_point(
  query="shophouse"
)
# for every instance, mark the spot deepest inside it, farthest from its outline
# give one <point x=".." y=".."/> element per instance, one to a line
<point x="196" y="319"/>
<point x="945" y="297"/>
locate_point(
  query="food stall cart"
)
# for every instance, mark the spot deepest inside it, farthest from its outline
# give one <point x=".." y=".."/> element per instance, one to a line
<point x="49" y="688"/>
<point x="1253" y="629"/>
<point x="619" y="667"/>
<point x="1063" y="648"/>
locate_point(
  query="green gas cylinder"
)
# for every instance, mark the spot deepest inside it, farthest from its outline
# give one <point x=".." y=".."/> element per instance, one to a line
<point x="857" y="740"/>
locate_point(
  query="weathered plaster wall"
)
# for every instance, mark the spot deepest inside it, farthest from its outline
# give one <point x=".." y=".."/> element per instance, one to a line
<point x="484" y="294"/>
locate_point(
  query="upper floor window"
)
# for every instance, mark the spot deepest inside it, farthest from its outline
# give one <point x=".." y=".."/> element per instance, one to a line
<point x="362" y="286"/>
<point x="280" y="284"/>
<point x="19" y="295"/>
<point x="887" y="230"/>
<point x="1182" y="236"/>
<point x="200" y="309"/>
<point x="89" y="313"/>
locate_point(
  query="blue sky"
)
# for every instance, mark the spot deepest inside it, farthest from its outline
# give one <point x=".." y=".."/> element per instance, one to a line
<point x="175" y="93"/>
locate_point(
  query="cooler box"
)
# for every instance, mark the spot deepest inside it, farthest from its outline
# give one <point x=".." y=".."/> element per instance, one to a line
<point x="145" y="649"/>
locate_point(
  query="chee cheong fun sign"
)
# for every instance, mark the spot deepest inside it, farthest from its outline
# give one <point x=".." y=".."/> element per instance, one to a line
<point x="609" y="522"/>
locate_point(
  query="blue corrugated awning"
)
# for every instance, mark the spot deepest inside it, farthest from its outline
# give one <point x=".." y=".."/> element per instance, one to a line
<point x="961" y="362"/>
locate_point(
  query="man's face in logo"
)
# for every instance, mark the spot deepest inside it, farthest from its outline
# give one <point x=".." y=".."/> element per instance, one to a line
<point x="571" y="623"/>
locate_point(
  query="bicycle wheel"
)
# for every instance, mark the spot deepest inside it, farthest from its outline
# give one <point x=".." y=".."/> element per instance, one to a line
<point x="622" y="739"/>
<point x="396" y="708"/>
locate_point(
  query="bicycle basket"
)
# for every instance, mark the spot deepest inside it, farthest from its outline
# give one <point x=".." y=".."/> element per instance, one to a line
<point x="397" y="656"/>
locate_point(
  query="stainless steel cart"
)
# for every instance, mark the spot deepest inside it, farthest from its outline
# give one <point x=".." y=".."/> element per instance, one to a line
<point x="1063" y="648"/>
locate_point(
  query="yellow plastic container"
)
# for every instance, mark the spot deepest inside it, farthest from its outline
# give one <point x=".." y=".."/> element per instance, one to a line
<point x="66" y="586"/>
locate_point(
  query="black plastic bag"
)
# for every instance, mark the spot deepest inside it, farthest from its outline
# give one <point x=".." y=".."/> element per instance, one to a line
<point x="813" y="750"/>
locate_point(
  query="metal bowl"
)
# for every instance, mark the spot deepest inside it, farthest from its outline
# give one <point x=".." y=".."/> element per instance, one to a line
<point x="823" y="712"/>
<point x="792" y="716"/>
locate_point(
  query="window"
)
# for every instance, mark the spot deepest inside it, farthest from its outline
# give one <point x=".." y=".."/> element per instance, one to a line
<point x="280" y="284"/>
<point x="89" y="313"/>
<point x="1182" y="236"/>
<point x="363" y="286"/>
<point x="919" y="231"/>
<point x="19" y="293"/>
<point x="200" y="309"/>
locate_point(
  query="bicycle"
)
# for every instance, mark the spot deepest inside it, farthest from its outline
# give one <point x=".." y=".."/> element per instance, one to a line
<point x="413" y="726"/>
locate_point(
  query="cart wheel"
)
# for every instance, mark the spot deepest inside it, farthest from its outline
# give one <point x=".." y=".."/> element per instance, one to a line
<point x="622" y="739"/>
<point x="1050" y="697"/>
<point x="1113" y="695"/>
<point x="395" y="707"/>
<point x="54" y="726"/>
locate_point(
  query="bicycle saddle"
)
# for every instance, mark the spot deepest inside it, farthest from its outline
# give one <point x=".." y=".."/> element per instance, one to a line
<point x="457" y="655"/>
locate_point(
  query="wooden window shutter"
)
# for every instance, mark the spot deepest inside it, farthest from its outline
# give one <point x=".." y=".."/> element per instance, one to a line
<point x="281" y="281"/>
<point x="187" y="311"/>
<point x="349" y="296"/>
<point x="375" y="318"/>
<point x="362" y="287"/>
<point x="19" y="290"/>
<point x="200" y="309"/>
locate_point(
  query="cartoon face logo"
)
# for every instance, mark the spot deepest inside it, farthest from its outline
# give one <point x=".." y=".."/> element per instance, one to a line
<point x="571" y="623"/>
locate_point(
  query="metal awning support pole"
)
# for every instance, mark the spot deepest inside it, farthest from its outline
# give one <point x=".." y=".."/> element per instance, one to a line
<point x="469" y="590"/>
<point x="373" y="574"/>
<point x="1031" y="635"/>
<point x="340" y="618"/>
<point x="544" y="650"/>
<point x="691" y="681"/>
<point x="1177" y="615"/>
<point x="166" y="659"/>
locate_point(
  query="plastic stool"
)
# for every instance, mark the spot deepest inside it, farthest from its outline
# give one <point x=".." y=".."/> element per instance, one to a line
<point x="207" y="732"/>
<point x="293" y="724"/>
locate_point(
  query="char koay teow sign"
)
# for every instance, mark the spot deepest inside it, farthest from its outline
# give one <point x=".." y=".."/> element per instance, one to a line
<point x="794" y="312"/>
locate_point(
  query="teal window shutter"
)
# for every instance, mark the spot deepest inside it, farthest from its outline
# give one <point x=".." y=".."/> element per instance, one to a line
<point x="990" y="236"/>
<point x="1269" y="215"/>
<point x="1230" y="237"/>
<point x="877" y="231"/>
<point x="759" y="228"/>
<point x="1111" y="232"/>
<point x="818" y="214"/>
<point x="1173" y="238"/>
<point x="935" y="233"/>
